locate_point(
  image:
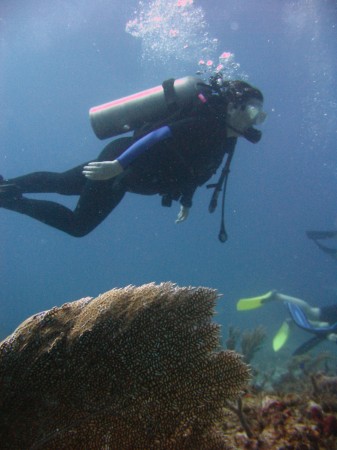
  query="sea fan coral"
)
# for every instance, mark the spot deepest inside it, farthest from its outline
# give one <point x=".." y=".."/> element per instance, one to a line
<point x="133" y="368"/>
<point x="251" y="342"/>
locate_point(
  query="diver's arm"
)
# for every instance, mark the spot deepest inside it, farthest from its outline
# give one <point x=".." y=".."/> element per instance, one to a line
<point x="102" y="170"/>
<point x="105" y="170"/>
<point x="318" y="323"/>
<point x="185" y="204"/>
<point x="183" y="214"/>
<point x="186" y="201"/>
<point x="332" y="337"/>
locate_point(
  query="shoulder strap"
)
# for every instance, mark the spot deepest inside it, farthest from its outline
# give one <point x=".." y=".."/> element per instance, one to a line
<point x="170" y="94"/>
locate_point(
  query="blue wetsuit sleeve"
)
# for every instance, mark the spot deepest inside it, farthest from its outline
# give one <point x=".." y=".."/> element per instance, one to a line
<point x="143" y="144"/>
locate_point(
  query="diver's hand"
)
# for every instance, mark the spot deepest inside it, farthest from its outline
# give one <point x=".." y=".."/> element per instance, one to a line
<point x="102" y="170"/>
<point x="183" y="214"/>
<point x="332" y="337"/>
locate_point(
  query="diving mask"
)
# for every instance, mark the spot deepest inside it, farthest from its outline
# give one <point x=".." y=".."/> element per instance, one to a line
<point x="255" y="113"/>
<point x="256" y="116"/>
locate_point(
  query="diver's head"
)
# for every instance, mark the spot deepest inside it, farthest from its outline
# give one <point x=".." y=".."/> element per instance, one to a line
<point x="244" y="109"/>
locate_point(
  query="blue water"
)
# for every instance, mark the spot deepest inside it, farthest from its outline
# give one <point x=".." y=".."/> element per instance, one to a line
<point x="60" y="58"/>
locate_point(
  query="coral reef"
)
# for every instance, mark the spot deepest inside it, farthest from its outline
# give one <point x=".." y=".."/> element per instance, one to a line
<point x="324" y="384"/>
<point x="288" y="408"/>
<point x="282" y="422"/>
<point x="291" y="403"/>
<point x="284" y="378"/>
<point x="232" y="338"/>
<point x="251" y="341"/>
<point x="135" y="368"/>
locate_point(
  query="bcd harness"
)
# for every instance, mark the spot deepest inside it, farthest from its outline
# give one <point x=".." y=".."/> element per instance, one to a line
<point x="221" y="185"/>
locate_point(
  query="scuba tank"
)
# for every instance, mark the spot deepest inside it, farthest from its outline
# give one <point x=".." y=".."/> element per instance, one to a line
<point x="132" y="112"/>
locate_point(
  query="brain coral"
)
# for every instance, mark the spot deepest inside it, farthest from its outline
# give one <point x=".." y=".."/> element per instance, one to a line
<point x="135" y="368"/>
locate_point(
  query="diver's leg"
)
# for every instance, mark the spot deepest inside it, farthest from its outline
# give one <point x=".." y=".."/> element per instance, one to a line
<point x="311" y="311"/>
<point x="70" y="182"/>
<point x="97" y="200"/>
<point x="308" y="345"/>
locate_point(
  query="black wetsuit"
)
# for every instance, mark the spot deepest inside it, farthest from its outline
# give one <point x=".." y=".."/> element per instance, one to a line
<point x="327" y="314"/>
<point x="173" y="168"/>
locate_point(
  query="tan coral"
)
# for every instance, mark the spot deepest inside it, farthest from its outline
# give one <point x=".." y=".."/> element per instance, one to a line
<point x="134" y="368"/>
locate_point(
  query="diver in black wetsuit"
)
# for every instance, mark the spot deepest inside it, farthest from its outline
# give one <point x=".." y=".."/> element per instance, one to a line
<point x="170" y="159"/>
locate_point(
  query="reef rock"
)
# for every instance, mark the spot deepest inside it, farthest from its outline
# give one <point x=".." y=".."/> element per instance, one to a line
<point x="135" y="368"/>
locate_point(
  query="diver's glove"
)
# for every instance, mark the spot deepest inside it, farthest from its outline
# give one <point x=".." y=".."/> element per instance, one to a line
<point x="183" y="214"/>
<point x="102" y="170"/>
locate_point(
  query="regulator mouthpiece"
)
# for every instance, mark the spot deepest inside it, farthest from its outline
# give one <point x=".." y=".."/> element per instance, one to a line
<point x="253" y="135"/>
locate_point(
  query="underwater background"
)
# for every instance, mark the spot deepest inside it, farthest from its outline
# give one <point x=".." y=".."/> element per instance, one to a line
<point x="59" y="58"/>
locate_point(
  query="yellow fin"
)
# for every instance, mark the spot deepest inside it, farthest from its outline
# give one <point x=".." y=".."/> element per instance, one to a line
<point x="281" y="336"/>
<point x="245" y="304"/>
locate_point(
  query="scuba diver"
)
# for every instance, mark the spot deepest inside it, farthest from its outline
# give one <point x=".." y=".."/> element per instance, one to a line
<point x="317" y="236"/>
<point x="319" y="321"/>
<point x="181" y="132"/>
